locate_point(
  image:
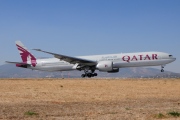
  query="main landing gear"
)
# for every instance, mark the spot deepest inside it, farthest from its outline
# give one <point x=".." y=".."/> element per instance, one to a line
<point x="162" y="68"/>
<point x="88" y="74"/>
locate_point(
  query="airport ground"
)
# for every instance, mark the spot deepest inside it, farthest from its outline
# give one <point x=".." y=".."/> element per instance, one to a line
<point x="90" y="99"/>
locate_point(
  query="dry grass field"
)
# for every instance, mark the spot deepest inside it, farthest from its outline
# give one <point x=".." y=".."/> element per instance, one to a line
<point x="90" y="99"/>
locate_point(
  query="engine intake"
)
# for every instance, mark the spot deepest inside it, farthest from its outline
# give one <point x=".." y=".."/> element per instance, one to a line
<point x="105" y="66"/>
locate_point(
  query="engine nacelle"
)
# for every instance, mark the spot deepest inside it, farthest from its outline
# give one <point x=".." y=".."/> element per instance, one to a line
<point x="105" y="66"/>
<point x="115" y="70"/>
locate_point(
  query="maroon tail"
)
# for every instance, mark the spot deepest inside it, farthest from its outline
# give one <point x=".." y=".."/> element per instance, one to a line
<point x="25" y="54"/>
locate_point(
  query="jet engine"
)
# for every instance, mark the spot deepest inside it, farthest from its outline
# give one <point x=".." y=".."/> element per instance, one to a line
<point x="105" y="66"/>
<point x="115" y="70"/>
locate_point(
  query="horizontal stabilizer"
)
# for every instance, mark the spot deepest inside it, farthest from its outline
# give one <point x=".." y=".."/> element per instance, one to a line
<point x="20" y="63"/>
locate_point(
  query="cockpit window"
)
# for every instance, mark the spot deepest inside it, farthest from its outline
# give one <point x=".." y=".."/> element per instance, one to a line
<point x="170" y="56"/>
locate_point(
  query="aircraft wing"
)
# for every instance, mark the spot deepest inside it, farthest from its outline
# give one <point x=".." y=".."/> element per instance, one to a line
<point x="72" y="60"/>
<point x="20" y="63"/>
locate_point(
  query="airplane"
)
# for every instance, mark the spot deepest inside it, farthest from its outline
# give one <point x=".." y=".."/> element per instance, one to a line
<point x="110" y="63"/>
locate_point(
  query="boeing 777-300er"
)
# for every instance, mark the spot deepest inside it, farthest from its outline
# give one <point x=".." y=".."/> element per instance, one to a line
<point x="110" y="63"/>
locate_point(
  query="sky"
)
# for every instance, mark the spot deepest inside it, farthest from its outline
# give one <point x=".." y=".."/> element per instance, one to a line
<point x="89" y="27"/>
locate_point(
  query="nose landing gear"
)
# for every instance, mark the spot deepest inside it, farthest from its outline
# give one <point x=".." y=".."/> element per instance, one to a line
<point x="162" y="68"/>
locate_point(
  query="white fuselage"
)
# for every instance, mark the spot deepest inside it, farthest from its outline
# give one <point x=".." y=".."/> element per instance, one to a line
<point x="119" y="61"/>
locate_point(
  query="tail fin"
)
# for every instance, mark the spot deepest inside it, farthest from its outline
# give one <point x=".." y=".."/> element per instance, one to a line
<point x="25" y="54"/>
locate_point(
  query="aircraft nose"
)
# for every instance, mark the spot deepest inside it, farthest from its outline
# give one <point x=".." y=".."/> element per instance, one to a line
<point x="173" y="59"/>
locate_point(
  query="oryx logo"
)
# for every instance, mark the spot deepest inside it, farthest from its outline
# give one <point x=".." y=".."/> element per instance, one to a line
<point x="105" y="65"/>
<point x="26" y="56"/>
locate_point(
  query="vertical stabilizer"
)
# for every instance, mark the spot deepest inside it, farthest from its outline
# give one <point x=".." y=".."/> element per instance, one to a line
<point x="25" y="54"/>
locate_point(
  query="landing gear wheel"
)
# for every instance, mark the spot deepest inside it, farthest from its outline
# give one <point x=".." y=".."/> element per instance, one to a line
<point x="95" y="74"/>
<point x="88" y="72"/>
<point x="89" y="75"/>
<point x="83" y="75"/>
<point x="162" y="68"/>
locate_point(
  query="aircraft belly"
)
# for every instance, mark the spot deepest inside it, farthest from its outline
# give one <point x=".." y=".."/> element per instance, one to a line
<point x="53" y="68"/>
